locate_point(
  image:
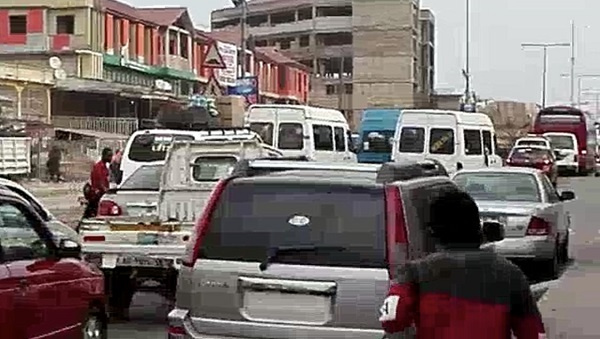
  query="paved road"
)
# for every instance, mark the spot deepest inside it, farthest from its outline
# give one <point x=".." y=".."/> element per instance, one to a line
<point x="561" y="306"/>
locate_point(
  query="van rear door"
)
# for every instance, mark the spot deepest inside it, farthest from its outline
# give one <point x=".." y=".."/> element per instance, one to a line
<point x="327" y="266"/>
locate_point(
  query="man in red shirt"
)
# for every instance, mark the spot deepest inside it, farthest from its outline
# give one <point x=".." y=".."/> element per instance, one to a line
<point x="461" y="291"/>
<point x="99" y="182"/>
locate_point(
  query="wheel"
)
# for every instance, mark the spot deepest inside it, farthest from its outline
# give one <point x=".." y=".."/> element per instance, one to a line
<point x="95" y="325"/>
<point x="564" y="250"/>
<point x="551" y="267"/>
<point x="121" y="288"/>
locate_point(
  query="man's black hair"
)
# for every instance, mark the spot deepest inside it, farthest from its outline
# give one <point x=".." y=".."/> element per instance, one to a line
<point x="106" y="151"/>
<point x="454" y="220"/>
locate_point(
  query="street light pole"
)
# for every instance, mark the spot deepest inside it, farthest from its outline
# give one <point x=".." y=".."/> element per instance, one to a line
<point x="545" y="47"/>
<point x="572" y="62"/>
<point x="467" y="71"/>
<point x="580" y="78"/>
<point x="243" y="4"/>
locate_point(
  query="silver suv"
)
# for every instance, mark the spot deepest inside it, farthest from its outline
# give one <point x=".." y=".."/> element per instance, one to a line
<point x="302" y="250"/>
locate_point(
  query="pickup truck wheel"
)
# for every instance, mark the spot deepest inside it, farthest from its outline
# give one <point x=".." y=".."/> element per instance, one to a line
<point x="122" y="289"/>
<point x="95" y="325"/>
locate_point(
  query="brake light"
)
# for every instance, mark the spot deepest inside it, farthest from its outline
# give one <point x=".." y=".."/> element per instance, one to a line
<point x="175" y="332"/>
<point x="396" y="233"/>
<point x="93" y="238"/>
<point x="202" y="224"/>
<point x="538" y="226"/>
<point x="109" y="208"/>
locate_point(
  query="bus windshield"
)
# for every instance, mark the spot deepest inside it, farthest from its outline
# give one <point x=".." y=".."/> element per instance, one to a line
<point x="377" y="141"/>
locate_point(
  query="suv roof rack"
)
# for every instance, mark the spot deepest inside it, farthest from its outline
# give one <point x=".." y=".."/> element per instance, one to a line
<point x="261" y="166"/>
<point x="391" y="171"/>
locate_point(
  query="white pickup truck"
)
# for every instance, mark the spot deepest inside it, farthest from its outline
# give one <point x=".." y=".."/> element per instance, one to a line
<point x="134" y="249"/>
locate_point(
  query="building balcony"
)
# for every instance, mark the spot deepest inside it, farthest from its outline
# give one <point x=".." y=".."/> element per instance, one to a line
<point x="124" y="126"/>
<point x="319" y="24"/>
<point x="26" y="73"/>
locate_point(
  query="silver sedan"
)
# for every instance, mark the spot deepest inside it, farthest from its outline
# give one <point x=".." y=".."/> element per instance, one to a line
<point x="533" y="213"/>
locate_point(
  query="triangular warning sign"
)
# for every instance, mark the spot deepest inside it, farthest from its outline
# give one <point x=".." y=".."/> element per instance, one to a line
<point x="212" y="88"/>
<point x="213" y="58"/>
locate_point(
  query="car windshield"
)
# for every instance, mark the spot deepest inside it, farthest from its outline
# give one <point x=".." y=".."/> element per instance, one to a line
<point x="254" y="218"/>
<point x="153" y="147"/>
<point x="377" y="141"/>
<point x="532" y="154"/>
<point x="562" y="142"/>
<point x="531" y="142"/>
<point x="500" y="186"/>
<point x="145" y="178"/>
<point x="212" y="168"/>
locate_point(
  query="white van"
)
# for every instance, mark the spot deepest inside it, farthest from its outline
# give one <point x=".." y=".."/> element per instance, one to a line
<point x="149" y="147"/>
<point x="456" y="139"/>
<point x="566" y="148"/>
<point x="320" y="133"/>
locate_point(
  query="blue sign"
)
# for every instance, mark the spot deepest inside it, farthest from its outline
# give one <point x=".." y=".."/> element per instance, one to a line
<point x="246" y="86"/>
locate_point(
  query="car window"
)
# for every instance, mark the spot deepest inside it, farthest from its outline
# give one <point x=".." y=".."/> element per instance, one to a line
<point x="472" y="142"/>
<point x="340" y="144"/>
<point x="153" y="147"/>
<point x="377" y="141"/>
<point x="566" y="142"/>
<point x="254" y="218"/>
<point x="499" y="186"/>
<point x="412" y="140"/>
<point x="529" y="142"/>
<point x="550" y="190"/>
<point x="27" y="197"/>
<point x="264" y="130"/>
<point x="291" y="136"/>
<point x="212" y="168"/>
<point x="144" y="178"/>
<point x="18" y="238"/>
<point x="487" y="141"/>
<point x="323" y="136"/>
<point x="441" y="141"/>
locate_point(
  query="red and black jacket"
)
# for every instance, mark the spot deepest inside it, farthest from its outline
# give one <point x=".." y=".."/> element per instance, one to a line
<point x="458" y="294"/>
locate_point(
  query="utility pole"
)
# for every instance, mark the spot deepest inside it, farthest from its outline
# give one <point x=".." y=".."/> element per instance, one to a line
<point x="580" y="78"/>
<point x="545" y="47"/>
<point x="572" y="62"/>
<point x="243" y="4"/>
<point x="341" y="85"/>
<point x="467" y="70"/>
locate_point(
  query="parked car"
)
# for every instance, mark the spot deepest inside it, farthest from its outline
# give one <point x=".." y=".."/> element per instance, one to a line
<point x="57" y="227"/>
<point x="539" y="157"/>
<point x="525" y="202"/>
<point x="286" y="253"/>
<point x="46" y="290"/>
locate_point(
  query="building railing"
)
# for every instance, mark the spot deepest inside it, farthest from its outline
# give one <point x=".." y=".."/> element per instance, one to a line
<point x="124" y="126"/>
<point x="26" y="73"/>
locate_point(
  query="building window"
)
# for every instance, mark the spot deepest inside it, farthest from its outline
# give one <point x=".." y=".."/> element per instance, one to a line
<point x="18" y="24"/>
<point x="65" y="24"/>
<point x="284" y="44"/>
<point x="304" y="41"/>
<point x="348" y="88"/>
<point x="172" y="43"/>
<point x="330" y="89"/>
<point x="183" y="46"/>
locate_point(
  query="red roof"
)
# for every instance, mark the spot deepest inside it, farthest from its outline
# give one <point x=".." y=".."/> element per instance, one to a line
<point x="162" y="16"/>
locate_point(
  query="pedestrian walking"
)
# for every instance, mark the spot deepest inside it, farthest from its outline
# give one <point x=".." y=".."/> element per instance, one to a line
<point x="98" y="184"/>
<point x="460" y="291"/>
<point x="115" y="166"/>
<point x="53" y="163"/>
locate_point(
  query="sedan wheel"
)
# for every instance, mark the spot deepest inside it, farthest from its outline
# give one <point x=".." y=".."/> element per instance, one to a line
<point x="94" y="327"/>
<point x="551" y="267"/>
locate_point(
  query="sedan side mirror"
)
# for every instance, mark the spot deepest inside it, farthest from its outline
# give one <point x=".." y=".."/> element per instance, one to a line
<point x="69" y="249"/>
<point x="492" y="231"/>
<point x="567" y="195"/>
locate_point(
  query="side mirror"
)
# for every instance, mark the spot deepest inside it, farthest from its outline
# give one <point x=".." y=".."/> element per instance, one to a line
<point x="567" y="195"/>
<point x="69" y="249"/>
<point x="492" y="231"/>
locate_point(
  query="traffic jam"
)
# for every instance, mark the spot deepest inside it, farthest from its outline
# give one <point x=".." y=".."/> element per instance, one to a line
<point x="232" y="225"/>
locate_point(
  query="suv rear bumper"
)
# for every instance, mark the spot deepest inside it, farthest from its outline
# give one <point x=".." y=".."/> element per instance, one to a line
<point x="202" y="328"/>
<point x="105" y="255"/>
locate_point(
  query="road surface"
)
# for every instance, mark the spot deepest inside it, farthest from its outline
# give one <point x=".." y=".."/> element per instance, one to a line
<point x="568" y="308"/>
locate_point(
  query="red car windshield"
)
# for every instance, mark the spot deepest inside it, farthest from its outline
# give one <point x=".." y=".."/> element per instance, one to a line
<point x="531" y="154"/>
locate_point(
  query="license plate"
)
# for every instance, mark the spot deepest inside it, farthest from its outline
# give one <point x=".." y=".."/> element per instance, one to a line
<point x="147" y="239"/>
<point x="132" y="261"/>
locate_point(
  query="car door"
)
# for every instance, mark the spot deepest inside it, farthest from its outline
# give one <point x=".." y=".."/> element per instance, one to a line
<point x="8" y="291"/>
<point x="41" y="304"/>
<point x="557" y="210"/>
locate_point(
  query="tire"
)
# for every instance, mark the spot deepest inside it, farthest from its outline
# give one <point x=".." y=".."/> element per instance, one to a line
<point x="121" y="288"/>
<point x="551" y="267"/>
<point x="95" y="325"/>
<point x="564" y="250"/>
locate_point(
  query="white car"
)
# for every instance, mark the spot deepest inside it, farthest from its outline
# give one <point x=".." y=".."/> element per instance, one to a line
<point x="57" y="227"/>
<point x="534" y="216"/>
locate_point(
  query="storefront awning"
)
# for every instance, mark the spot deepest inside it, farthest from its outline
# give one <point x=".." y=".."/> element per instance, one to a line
<point x="103" y="87"/>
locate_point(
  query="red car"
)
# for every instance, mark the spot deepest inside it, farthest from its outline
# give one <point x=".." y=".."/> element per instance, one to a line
<point x="46" y="290"/>
<point x="538" y="157"/>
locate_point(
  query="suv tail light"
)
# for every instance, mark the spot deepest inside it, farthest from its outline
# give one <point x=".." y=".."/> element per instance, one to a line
<point x="202" y="224"/>
<point x="109" y="208"/>
<point x="538" y="226"/>
<point x="396" y="233"/>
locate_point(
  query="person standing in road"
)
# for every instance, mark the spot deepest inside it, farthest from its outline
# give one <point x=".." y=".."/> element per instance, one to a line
<point x="115" y="165"/>
<point x="461" y="291"/>
<point x="99" y="182"/>
<point x="53" y="163"/>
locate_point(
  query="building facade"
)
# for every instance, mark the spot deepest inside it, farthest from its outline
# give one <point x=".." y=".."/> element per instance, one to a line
<point x="362" y="53"/>
<point x="117" y="64"/>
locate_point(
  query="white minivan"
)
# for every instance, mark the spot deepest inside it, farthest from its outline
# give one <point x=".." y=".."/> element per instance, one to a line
<point x="320" y="133"/>
<point x="456" y="139"/>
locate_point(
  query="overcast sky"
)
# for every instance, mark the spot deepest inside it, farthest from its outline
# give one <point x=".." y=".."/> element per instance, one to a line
<point x="500" y="68"/>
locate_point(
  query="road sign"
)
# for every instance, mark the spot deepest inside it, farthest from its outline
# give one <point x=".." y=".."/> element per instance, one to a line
<point x="213" y="58"/>
<point x="213" y="89"/>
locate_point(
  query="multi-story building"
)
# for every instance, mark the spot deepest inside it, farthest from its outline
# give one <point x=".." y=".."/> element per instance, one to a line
<point x="362" y="53"/>
<point x="116" y="64"/>
<point x="426" y="89"/>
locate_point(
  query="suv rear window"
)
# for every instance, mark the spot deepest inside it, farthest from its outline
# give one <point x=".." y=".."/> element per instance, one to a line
<point x="254" y="218"/>
<point x="153" y="147"/>
<point x="212" y="168"/>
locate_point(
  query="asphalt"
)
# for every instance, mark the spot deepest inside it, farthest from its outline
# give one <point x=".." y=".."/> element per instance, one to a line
<point x="568" y="306"/>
